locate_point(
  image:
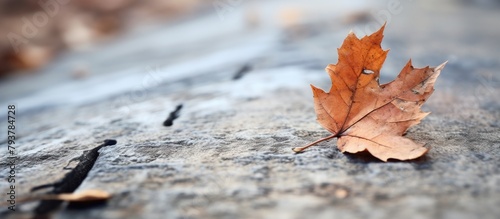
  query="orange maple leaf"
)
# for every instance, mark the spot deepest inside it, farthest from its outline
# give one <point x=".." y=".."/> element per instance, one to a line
<point x="365" y="115"/>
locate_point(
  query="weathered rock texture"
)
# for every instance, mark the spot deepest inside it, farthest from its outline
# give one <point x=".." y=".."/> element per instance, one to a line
<point x="228" y="155"/>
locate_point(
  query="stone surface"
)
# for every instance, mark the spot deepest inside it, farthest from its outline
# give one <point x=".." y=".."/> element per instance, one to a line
<point x="229" y="154"/>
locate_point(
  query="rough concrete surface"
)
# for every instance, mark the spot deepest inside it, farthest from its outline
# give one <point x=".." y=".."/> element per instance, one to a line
<point x="228" y="155"/>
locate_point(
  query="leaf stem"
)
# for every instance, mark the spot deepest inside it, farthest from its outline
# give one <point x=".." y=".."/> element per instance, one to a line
<point x="300" y="149"/>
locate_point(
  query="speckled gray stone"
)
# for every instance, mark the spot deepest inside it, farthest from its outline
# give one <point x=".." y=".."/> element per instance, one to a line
<point x="229" y="154"/>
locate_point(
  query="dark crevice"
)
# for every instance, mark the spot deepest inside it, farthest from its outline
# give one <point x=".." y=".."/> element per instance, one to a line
<point x="70" y="182"/>
<point x="243" y="70"/>
<point x="173" y="115"/>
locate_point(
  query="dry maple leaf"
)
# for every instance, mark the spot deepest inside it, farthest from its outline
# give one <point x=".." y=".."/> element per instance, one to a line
<point x="365" y="115"/>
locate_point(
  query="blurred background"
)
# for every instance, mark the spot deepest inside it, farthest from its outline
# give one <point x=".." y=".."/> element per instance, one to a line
<point x="53" y="51"/>
<point x="52" y="27"/>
